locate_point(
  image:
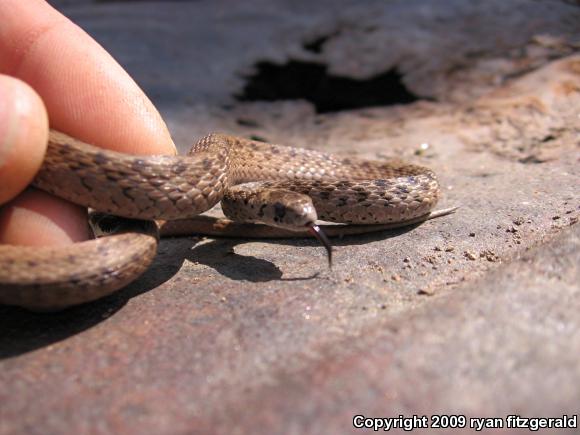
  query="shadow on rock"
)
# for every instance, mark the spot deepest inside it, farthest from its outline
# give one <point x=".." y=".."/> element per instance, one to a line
<point x="219" y="255"/>
<point x="23" y="331"/>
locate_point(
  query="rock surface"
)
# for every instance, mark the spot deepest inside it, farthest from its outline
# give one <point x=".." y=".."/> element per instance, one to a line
<point x="474" y="313"/>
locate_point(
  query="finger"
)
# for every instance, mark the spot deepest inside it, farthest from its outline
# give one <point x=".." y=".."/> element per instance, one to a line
<point x="23" y="136"/>
<point x="87" y="94"/>
<point x="36" y="218"/>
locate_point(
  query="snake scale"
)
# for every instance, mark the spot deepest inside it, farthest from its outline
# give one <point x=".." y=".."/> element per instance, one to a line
<point x="287" y="188"/>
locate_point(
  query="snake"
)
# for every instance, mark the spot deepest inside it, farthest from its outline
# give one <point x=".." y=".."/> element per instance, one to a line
<point x="276" y="190"/>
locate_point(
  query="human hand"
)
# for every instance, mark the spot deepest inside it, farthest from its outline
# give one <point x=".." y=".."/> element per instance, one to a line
<point x="52" y="72"/>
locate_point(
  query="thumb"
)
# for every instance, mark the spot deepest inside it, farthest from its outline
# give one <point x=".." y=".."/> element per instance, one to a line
<point x="29" y="217"/>
<point x="23" y="136"/>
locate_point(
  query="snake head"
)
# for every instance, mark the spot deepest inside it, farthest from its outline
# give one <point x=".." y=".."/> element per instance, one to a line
<point x="268" y="204"/>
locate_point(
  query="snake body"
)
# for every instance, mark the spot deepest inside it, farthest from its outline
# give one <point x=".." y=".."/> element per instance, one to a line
<point x="257" y="182"/>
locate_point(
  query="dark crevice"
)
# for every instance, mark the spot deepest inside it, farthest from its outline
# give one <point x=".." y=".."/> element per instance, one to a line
<point x="246" y="122"/>
<point x="311" y="81"/>
<point x="258" y="138"/>
<point x="315" y="45"/>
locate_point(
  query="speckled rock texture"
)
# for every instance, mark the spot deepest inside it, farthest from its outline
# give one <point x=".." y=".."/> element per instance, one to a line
<point x="473" y="314"/>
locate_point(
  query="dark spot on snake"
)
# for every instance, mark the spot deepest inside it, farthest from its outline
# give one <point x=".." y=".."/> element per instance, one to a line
<point x="31" y="263"/>
<point x="80" y="165"/>
<point x="138" y="164"/>
<point x="324" y="195"/>
<point x="275" y="150"/>
<point x="178" y="168"/>
<point x="206" y="163"/>
<point x="261" y="212"/>
<point x="87" y="186"/>
<point x="64" y="149"/>
<point x="380" y="183"/>
<point x="75" y="279"/>
<point x="100" y="159"/>
<point x="279" y="211"/>
<point x="127" y="192"/>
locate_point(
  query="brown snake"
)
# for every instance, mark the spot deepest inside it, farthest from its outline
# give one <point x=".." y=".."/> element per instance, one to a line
<point x="298" y="187"/>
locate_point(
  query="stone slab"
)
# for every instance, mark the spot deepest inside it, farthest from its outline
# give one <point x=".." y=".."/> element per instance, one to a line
<point x="474" y="313"/>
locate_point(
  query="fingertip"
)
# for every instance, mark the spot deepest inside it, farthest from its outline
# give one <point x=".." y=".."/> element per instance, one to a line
<point x="23" y="136"/>
<point x="36" y="218"/>
<point x="87" y="93"/>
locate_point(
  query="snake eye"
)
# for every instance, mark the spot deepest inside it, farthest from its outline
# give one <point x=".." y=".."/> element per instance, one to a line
<point x="317" y="232"/>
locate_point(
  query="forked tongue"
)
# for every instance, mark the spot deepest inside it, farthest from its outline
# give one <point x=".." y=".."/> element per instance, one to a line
<point x="317" y="232"/>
